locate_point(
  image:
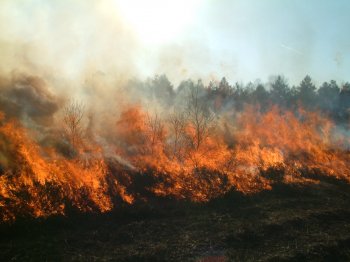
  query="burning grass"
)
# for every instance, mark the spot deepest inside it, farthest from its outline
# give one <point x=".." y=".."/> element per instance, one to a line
<point x="194" y="156"/>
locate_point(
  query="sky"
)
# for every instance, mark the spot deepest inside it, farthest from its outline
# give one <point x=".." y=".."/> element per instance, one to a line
<point x="241" y="40"/>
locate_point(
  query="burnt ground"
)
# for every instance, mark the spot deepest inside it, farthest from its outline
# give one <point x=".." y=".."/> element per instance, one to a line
<point x="289" y="223"/>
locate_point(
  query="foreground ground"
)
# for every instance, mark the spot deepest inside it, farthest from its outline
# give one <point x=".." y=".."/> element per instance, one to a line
<point x="289" y="223"/>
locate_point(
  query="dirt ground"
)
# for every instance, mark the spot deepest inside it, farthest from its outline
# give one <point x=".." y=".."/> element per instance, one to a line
<point x="289" y="223"/>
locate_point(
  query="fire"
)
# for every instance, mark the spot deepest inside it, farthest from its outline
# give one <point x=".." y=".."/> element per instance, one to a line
<point x="180" y="160"/>
<point x="40" y="184"/>
<point x="293" y="142"/>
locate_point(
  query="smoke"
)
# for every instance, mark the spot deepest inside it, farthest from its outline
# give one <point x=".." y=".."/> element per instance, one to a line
<point x="28" y="98"/>
<point x="64" y="41"/>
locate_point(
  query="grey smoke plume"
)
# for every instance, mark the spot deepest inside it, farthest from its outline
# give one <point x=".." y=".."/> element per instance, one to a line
<point x="28" y="97"/>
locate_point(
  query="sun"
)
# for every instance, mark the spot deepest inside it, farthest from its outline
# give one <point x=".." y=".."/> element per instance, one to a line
<point x="157" y="21"/>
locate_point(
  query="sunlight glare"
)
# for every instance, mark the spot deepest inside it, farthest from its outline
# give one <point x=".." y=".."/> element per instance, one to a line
<point x="157" y="21"/>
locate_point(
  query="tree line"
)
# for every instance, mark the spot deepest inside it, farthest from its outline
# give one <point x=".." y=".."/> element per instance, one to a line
<point x="330" y="98"/>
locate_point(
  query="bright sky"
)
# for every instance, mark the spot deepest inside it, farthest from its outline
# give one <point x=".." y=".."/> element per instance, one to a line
<point x="243" y="40"/>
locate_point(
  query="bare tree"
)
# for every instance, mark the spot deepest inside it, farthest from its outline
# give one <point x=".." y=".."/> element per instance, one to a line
<point x="72" y="118"/>
<point x="156" y="129"/>
<point x="199" y="116"/>
<point x="178" y="122"/>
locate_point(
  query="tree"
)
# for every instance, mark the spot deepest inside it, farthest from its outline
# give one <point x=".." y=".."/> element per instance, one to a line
<point x="224" y="88"/>
<point x="219" y="93"/>
<point x="72" y="120"/>
<point x="306" y="93"/>
<point x="344" y="102"/>
<point x="178" y="121"/>
<point x="182" y="93"/>
<point x="280" y="91"/>
<point x="156" y="130"/>
<point x="199" y="115"/>
<point x="328" y="96"/>
<point x="260" y="96"/>
<point x="162" y="89"/>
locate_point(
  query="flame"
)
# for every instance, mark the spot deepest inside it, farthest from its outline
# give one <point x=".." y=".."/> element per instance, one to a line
<point x="292" y="142"/>
<point x="249" y="153"/>
<point x="42" y="183"/>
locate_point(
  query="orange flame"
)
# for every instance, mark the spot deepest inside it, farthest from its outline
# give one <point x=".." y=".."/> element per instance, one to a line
<point x="241" y="153"/>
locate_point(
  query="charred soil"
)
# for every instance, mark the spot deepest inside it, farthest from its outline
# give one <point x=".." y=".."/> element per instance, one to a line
<point x="288" y="223"/>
